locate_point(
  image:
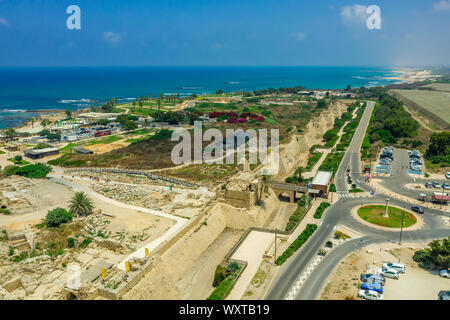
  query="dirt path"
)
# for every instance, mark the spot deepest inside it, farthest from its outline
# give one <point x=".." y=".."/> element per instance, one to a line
<point x="139" y="253"/>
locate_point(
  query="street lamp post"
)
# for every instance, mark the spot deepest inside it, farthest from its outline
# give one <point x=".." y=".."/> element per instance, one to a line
<point x="275" y="255"/>
<point x="401" y="229"/>
<point x="386" y="211"/>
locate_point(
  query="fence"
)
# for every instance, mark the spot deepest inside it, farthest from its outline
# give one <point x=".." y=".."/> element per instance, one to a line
<point x="135" y="172"/>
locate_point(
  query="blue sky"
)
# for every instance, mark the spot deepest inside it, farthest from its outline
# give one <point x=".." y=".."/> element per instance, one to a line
<point x="224" y="33"/>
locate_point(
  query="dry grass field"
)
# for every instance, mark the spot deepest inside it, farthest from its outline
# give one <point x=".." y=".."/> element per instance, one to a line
<point x="439" y="86"/>
<point x="433" y="104"/>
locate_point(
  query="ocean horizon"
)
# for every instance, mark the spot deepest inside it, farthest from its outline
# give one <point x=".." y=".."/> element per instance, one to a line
<point x="23" y="90"/>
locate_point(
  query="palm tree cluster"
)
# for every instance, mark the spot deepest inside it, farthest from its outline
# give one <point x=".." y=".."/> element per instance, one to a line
<point x="81" y="205"/>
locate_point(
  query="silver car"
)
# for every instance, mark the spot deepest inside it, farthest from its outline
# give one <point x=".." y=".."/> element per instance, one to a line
<point x="445" y="273"/>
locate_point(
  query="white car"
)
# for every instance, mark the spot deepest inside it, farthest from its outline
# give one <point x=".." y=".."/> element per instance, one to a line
<point x="389" y="273"/>
<point x="447" y="175"/>
<point x="445" y="273"/>
<point x="370" y="295"/>
<point x="396" y="266"/>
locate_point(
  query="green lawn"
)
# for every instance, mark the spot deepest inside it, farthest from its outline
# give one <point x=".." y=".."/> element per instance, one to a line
<point x="22" y="163"/>
<point x="2" y="152"/>
<point x="375" y="214"/>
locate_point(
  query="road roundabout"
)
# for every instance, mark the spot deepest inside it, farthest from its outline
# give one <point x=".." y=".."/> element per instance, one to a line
<point x="372" y="215"/>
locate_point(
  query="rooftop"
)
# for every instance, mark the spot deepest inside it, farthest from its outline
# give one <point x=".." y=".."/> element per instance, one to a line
<point x="322" y="178"/>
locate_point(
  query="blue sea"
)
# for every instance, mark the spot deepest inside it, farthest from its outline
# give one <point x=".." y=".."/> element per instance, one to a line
<point x="23" y="90"/>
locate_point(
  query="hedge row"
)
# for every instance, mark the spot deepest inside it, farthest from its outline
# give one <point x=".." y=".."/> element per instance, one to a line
<point x="301" y="239"/>
<point x="320" y="209"/>
<point x="296" y="217"/>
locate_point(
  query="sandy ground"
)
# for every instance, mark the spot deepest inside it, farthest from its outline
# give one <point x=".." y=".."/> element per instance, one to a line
<point x="101" y="148"/>
<point x="281" y="216"/>
<point x="415" y="284"/>
<point x="196" y="283"/>
<point x="252" y="251"/>
<point x="258" y="286"/>
<point x="44" y="195"/>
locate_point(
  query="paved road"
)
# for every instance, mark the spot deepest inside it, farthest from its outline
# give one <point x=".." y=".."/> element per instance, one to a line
<point x="339" y="214"/>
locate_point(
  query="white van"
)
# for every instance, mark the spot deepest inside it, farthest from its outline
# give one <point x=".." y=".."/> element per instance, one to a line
<point x="396" y="266"/>
<point x="389" y="273"/>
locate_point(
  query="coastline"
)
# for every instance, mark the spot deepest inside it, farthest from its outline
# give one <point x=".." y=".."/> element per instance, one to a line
<point x="405" y="75"/>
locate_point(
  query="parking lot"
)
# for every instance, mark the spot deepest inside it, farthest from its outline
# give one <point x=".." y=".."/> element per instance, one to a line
<point x="415" y="284"/>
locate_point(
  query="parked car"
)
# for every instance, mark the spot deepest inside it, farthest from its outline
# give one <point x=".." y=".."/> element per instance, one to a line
<point x="436" y="184"/>
<point x="445" y="273"/>
<point x="428" y="185"/>
<point x="372" y="286"/>
<point x="372" y="277"/>
<point x="395" y="266"/>
<point x="389" y="273"/>
<point x="444" y="295"/>
<point x="417" y="209"/>
<point x="447" y="175"/>
<point x="370" y="295"/>
<point x="446" y="186"/>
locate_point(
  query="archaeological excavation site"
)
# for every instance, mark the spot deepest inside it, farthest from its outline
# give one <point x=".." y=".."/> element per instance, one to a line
<point x="94" y="227"/>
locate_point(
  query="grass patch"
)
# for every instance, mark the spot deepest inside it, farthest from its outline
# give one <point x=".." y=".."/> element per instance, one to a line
<point x="21" y="163"/>
<point x="355" y="190"/>
<point x="375" y="214"/>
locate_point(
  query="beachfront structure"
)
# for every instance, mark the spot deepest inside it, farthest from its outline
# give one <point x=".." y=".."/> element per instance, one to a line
<point x="40" y="153"/>
<point x="322" y="182"/>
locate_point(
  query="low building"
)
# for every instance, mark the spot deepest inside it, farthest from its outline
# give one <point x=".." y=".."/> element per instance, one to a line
<point x="81" y="150"/>
<point x="322" y="182"/>
<point x="40" y="153"/>
<point x="14" y="146"/>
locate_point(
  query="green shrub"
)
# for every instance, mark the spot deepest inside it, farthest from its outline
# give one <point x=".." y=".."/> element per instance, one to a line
<point x="219" y="275"/>
<point x="34" y="171"/>
<point x="320" y="209"/>
<point x="70" y="242"/>
<point x="438" y="254"/>
<point x="301" y="239"/>
<point x="329" y="244"/>
<point x="57" y="216"/>
<point x="85" y="243"/>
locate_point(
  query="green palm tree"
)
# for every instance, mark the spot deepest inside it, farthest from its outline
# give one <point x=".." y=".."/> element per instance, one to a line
<point x="81" y="205"/>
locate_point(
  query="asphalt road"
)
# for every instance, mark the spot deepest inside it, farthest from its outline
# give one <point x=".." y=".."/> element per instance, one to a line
<point x="339" y="214"/>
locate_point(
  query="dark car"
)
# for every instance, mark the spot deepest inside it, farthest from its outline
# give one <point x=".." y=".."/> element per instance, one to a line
<point x="369" y="277"/>
<point x="417" y="209"/>
<point x="428" y="185"/>
<point x="444" y="295"/>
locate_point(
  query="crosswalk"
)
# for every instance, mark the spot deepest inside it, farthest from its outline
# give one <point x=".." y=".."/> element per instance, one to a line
<point x="344" y="195"/>
<point x="349" y="195"/>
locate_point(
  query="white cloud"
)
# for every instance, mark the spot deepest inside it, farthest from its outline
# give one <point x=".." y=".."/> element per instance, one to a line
<point x="354" y="14"/>
<point x="112" y="37"/>
<point x="443" y="5"/>
<point x="302" y="36"/>
<point x="4" y="22"/>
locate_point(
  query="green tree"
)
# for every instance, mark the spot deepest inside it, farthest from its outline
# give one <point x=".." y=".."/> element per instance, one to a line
<point x="69" y="114"/>
<point x="56" y="217"/>
<point x="18" y="159"/>
<point x="439" y="144"/>
<point x="130" y="125"/>
<point x="10" y="133"/>
<point x="81" y="205"/>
